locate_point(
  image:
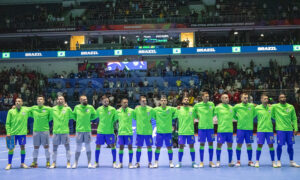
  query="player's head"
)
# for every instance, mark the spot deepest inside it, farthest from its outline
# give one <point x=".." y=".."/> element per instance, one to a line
<point x="225" y="98"/>
<point x="185" y="100"/>
<point x="163" y="101"/>
<point x="83" y="100"/>
<point x="264" y="99"/>
<point x="19" y="102"/>
<point x="282" y="98"/>
<point x="244" y="98"/>
<point x="124" y="103"/>
<point x="40" y="100"/>
<point x="60" y="100"/>
<point x="205" y="96"/>
<point x="143" y="100"/>
<point x="105" y="101"/>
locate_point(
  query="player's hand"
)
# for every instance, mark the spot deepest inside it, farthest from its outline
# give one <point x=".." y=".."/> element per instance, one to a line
<point x="295" y="133"/>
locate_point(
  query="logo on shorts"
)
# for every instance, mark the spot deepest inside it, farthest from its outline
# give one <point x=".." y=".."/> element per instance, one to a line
<point x="150" y="140"/>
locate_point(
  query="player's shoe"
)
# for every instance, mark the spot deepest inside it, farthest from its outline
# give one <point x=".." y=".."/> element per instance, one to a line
<point x="130" y="166"/>
<point x="212" y="165"/>
<point x="120" y="165"/>
<point x="150" y="165"/>
<point x="90" y="166"/>
<point x="194" y="165"/>
<point x="48" y="164"/>
<point x="231" y="164"/>
<point x="74" y="166"/>
<point x="115" y="165"/>
<point x="218" y="164"/>
<point x="8" y="167"/>
<point x="137" y="165"/>
<point x="155" y="164"/>
<point x="24" y="166"/>
<point x="294" y="164"/>
<point x="179" y="165"/>
<point x="34" y="165"/>
<point x="238" y="164"/>
<point x="251" y="164"/>
<point x="201" y="165"/>
<point x="257" y="164"/>
<point x="274" y="164"/>
<point x="279" y="164"/>
<point x="96" y="165"/>
<point x="68" y="165"/>
<point x="171" y="165"/>
<point x="53" y="165"/>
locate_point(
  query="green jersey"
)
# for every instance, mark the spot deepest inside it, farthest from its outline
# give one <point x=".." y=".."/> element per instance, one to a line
<point x="186" y="116"/>
<point x="264" y="121"/>
<point x="61" y="117"/>
<point x="107" y="117"/>
<point x="205" y="114"/>
<point x="224" y="115"/>
<point x="125" y="117"/>
<point x="143" y="116"/>
<point x="83" y="115"/>
<point x="16" y="121"/>
<point x="164" y="117"/>
<point x="42" y="117"/>
<point x="285" y="117"/>
<point x="244" y="114"/>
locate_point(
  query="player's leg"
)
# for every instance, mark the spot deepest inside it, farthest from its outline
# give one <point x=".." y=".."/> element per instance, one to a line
<point x="229" y="150"/>
<point x="159" y="144"/>
<point x="11" y="151"/>
<point x="249" y="152"/>
<point x="210" y="139"/>
<point x="201" y="139"/>
<point x="87" y="141"/>
<point x="290" y="149"/>
<point x="56" y="142"/>
<point x="149" y="143"/>
<point x="114" y="155"/>
<point x="79" y="141"/>
<point x="258" y="152"/>
<point x="272" y="154"/>
<point x="36" y="143"/>
<point x="139" y="143"/>
<point x="249" y="141"/>
<point x="45" y="142"/>
<point x="121" y="151"/>
<point x="181" y="142"/>
<point x="192" y="153"/>
<point x="157" y="153"/>
<point x="218" y="152"/>
<point x="239" y="141"/>
<point x="66" y="142"/>
<point x="168" y="143"/>
<point x="130" y="152"/>
<point x="99" y="141"/>
<point x="280" y="142"/>
<point x="23" y="152"/>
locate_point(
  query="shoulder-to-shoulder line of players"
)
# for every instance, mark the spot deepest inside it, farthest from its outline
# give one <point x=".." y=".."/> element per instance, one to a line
<point x="83" y="113"/>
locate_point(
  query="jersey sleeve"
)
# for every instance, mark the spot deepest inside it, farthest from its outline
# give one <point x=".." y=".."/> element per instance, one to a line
<point x="51" y="114"/>
<point x="93" y="113"/>
<point x="234" y="110"/>
<point x="115" y="117"/>
<point x="176" y="113"/>
<point x="273" y="109"/>
<point x="153" y="113"/>
<point x="8" y="123"/>
<point x="74" y="113"/>
<point x="294" y="119"/>
<point x="71" y="115"/>
<point x="195" y="112"/>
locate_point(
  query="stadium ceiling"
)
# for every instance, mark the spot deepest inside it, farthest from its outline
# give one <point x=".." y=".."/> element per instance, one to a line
<point x="152" y="31"/>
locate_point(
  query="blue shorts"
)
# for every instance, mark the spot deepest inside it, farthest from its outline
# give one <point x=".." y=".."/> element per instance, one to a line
<point x="21" y="139"/>
<point x="225" y="137"/>
<point x="125" y="139"/>
<point x="285" y="137"/>
<point x="242" y="135"/>
<point x="161" y="138"/>
<point x="141" y="138"/>
<point x="189" y="139"/>
<point x="105" y="138"/>
<point x="206" y="134"/>
<point x="262" y="136"/>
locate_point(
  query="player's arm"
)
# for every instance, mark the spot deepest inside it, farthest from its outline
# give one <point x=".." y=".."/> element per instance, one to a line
<point x="74" y="113"/>
<point x="234" y="110"/>
<point x="93" y="114"/>
<point x="273" y="109"/>
<point x="294" y="121"/>
<point x="71" y="115"/>
<point x="8" y="124"/>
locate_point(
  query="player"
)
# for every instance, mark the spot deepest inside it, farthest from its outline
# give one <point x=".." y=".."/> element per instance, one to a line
<point x="186" y="116"/>
<point x="286" y="127"/>
<point x="16" y="127"/>
<point x="61" y="116"/>
<point x="125" y="115"/>
<point x="205" y="112"/>
<point x="164" y="116"/>
<point x="264" y="129"/>
<point x="105" y="132"/>
<point x="224" y="113"/>
<point x="42" y="116"/>
<point x="143" y="118"/>
<point x="244" y="114"/>
<point x="83" y="115"/>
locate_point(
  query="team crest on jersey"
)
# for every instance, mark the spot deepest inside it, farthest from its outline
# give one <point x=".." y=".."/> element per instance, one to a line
<point x="287" y="110"/>
<point x="191" y="113"/>
<point x="269" y="111"/>
<point x="210" y="107"/>
<point x="128" y="114"/>
<point x="167" y="111"/>
<point x="87" y="110"/>
<point x="23" y="113"/>
<point x="44" y="110"/>
<point x="249" y="108"/>
<point x="108" y="112"/>
<point x="64" y="112"/>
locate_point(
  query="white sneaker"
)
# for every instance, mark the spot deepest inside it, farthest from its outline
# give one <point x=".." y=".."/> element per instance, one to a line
<point x="150" y="166"/>
<point x="257" y="164"/>
<point x="294" y="164"/>
<point x="155" y="164"/>
<point x="274" y="164"/>
<point x="179" y="165"/>
<point x="212" y="165"/>
<point x="201" y="165"/>
<point x="194" y="165"/>
<point x="120" y="165"/>
<point x="74" y="166"/>
<point x="137" y="165"/>
<point x="238" y="164"/>
<point x="130" y="166"/>
<point x="171" y="165"/>
<point x="218" y="164"/>
<point x="96" y="165"/>
<point x="115" y="165"/>
<point x="53" y="165"/>
<point x="279" y="164"/>
<point x="90" y="166"/>
<point x="251" y="164"/>
<point x="68" y="165"/>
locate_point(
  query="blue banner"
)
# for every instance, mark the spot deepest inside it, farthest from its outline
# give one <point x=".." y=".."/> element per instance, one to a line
<point x="151" y="52"/>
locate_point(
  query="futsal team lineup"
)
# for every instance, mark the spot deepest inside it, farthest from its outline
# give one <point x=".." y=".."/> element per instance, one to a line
<point x="111" y="120"/>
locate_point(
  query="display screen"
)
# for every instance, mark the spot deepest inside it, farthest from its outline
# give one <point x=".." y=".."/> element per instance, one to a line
<point x="134" y="65"/>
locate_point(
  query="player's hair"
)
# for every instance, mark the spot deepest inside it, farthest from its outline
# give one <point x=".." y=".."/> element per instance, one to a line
<point x="223" y="94"/>
<point x="124" y="99"/>
<point x="163" y="97"/>
<point x="282" y="94"/>
<point x="143" y="96"/>
<point x="82" y="95"/>
<point x="19" y="98"/>
<point x="104" y="97"/>
<point x="244" y="93"/>
<point x="263" y="94"/>
<point x="204" y="93"/>
<point x="60" y="96"/>
<point x="40" y="96"/>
